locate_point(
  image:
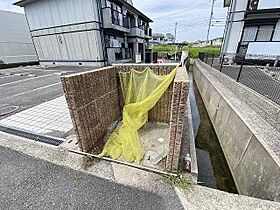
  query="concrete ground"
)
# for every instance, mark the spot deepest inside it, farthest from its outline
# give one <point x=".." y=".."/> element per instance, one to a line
<point x="39" y="176"/>
<point x="30" y="183"/>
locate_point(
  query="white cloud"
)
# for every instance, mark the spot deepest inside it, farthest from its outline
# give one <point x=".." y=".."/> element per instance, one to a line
<point x="193" y="14"/>
<point x="8" y="5"/>
<point x="190" y="15"/>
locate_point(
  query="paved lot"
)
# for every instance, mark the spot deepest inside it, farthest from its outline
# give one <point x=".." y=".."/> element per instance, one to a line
<point x="51" y="118"/>
<point x="38" y="93"/>
<point x="30" y="183"/>
<point x="29" y="86"/>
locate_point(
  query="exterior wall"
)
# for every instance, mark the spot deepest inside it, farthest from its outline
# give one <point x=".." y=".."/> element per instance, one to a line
<point x="66" y="31"/>
<point x="15" y="42"/>
<point x="234" y="27"/>
<point x="276" y="36"/>
<point x="247" y="126"/>
<point x="93" y="102"/>
<point x="238" y="20"/>
<point x="268" y="4"/>
<point x="74" y="32"/>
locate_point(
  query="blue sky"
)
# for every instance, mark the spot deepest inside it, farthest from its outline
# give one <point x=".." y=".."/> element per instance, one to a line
<point x="191" y="15"/>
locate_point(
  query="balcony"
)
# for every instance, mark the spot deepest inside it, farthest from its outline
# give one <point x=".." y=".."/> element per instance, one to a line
<point x="113" y="19"/>
<point x="119" y="55"/>
<point x="142" y="32"/>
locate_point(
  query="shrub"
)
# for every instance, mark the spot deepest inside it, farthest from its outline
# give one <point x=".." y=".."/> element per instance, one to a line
<point x="193" y="51"/>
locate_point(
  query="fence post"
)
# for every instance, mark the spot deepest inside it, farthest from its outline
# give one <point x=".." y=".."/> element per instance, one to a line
<point x="240" y="70"/>
<point x="213" y="55"/>
<point x="206" y="59"/>
<point x="222" y="62"/>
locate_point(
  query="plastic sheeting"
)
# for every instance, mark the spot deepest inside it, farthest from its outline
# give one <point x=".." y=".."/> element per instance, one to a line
<point x="141" y="91"/>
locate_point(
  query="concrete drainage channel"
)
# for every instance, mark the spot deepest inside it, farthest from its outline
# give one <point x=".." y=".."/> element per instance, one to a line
<point x="212" y="165"/>
<point x="27" y="134"/>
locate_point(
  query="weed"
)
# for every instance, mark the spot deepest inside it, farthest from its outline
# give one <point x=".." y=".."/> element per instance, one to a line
<point x="76" y="177"/>
<point x="178" y="181"/>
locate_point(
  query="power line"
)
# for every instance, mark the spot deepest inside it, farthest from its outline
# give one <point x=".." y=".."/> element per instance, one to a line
<point x="180" y="25"/>
<point x="192" y="28"/>
<point x="181" y="11"/>
<point x="183" y="27"/>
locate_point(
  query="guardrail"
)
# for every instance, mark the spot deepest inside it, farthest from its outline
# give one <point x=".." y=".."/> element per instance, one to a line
<point x="263" y="79"/>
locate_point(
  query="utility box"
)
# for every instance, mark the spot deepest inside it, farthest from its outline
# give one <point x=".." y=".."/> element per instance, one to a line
<point x="138" y="58"/>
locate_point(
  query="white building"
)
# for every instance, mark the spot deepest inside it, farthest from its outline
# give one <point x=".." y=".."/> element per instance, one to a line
<point x="252" y="30"/>
<point x="169" y="38"/>
<point x="216" y="42"/>
<point x="159" y="38"/>
<point x="86" y="32"/>
<point x="15" y="41"/>
<point x="199" y="43"/>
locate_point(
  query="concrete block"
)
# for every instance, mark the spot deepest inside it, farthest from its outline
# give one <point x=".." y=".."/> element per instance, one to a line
<point x="257" y="173"/>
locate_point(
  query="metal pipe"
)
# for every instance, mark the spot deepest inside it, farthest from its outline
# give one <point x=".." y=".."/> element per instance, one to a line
<point x="213" y="55"/>
<point x="122" y="163"/>
<point x="222" y="62"/>
<point x="239" y="74"/>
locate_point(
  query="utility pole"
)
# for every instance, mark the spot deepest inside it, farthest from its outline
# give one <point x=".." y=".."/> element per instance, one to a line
<point x="175" y="36"/>
<point x="210" y="21"/>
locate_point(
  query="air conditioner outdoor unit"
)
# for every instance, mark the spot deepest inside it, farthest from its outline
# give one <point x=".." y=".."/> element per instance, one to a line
<point x="228" y="60"/>
<point x="254" y="4"/>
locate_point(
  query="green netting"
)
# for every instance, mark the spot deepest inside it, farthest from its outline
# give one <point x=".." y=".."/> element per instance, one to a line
<point x="141" y="91"/>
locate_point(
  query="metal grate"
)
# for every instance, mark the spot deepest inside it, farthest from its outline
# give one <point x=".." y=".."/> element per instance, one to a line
<point x="33" y="136"/>
<point x="6" y="109"/>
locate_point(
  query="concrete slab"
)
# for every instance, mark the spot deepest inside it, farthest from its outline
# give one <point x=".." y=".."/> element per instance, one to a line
<point x="204" y="198"/>
<point x="51" y="118"/>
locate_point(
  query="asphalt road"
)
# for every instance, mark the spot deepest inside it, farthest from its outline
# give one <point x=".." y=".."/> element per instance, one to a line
<point x="30" y="183"/>
<point x="29" y="86"/>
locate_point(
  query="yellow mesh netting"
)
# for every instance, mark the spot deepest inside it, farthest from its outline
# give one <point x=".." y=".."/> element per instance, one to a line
<point x="141" y="91"/>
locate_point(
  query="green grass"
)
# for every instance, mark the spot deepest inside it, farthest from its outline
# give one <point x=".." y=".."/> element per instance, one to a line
<point x="178" y="181"/>
<point x="77" y="177"/>
<point x="193" y="51"/>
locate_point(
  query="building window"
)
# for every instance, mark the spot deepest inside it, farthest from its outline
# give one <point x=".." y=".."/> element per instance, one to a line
<point x="250" y="33"/>
<point x="265" y="33"/>
<point x="261" y="33"/>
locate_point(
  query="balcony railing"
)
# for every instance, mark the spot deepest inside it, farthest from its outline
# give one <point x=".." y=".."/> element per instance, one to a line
<point x="119" y="19"/>
<point x="120" y="55"/>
